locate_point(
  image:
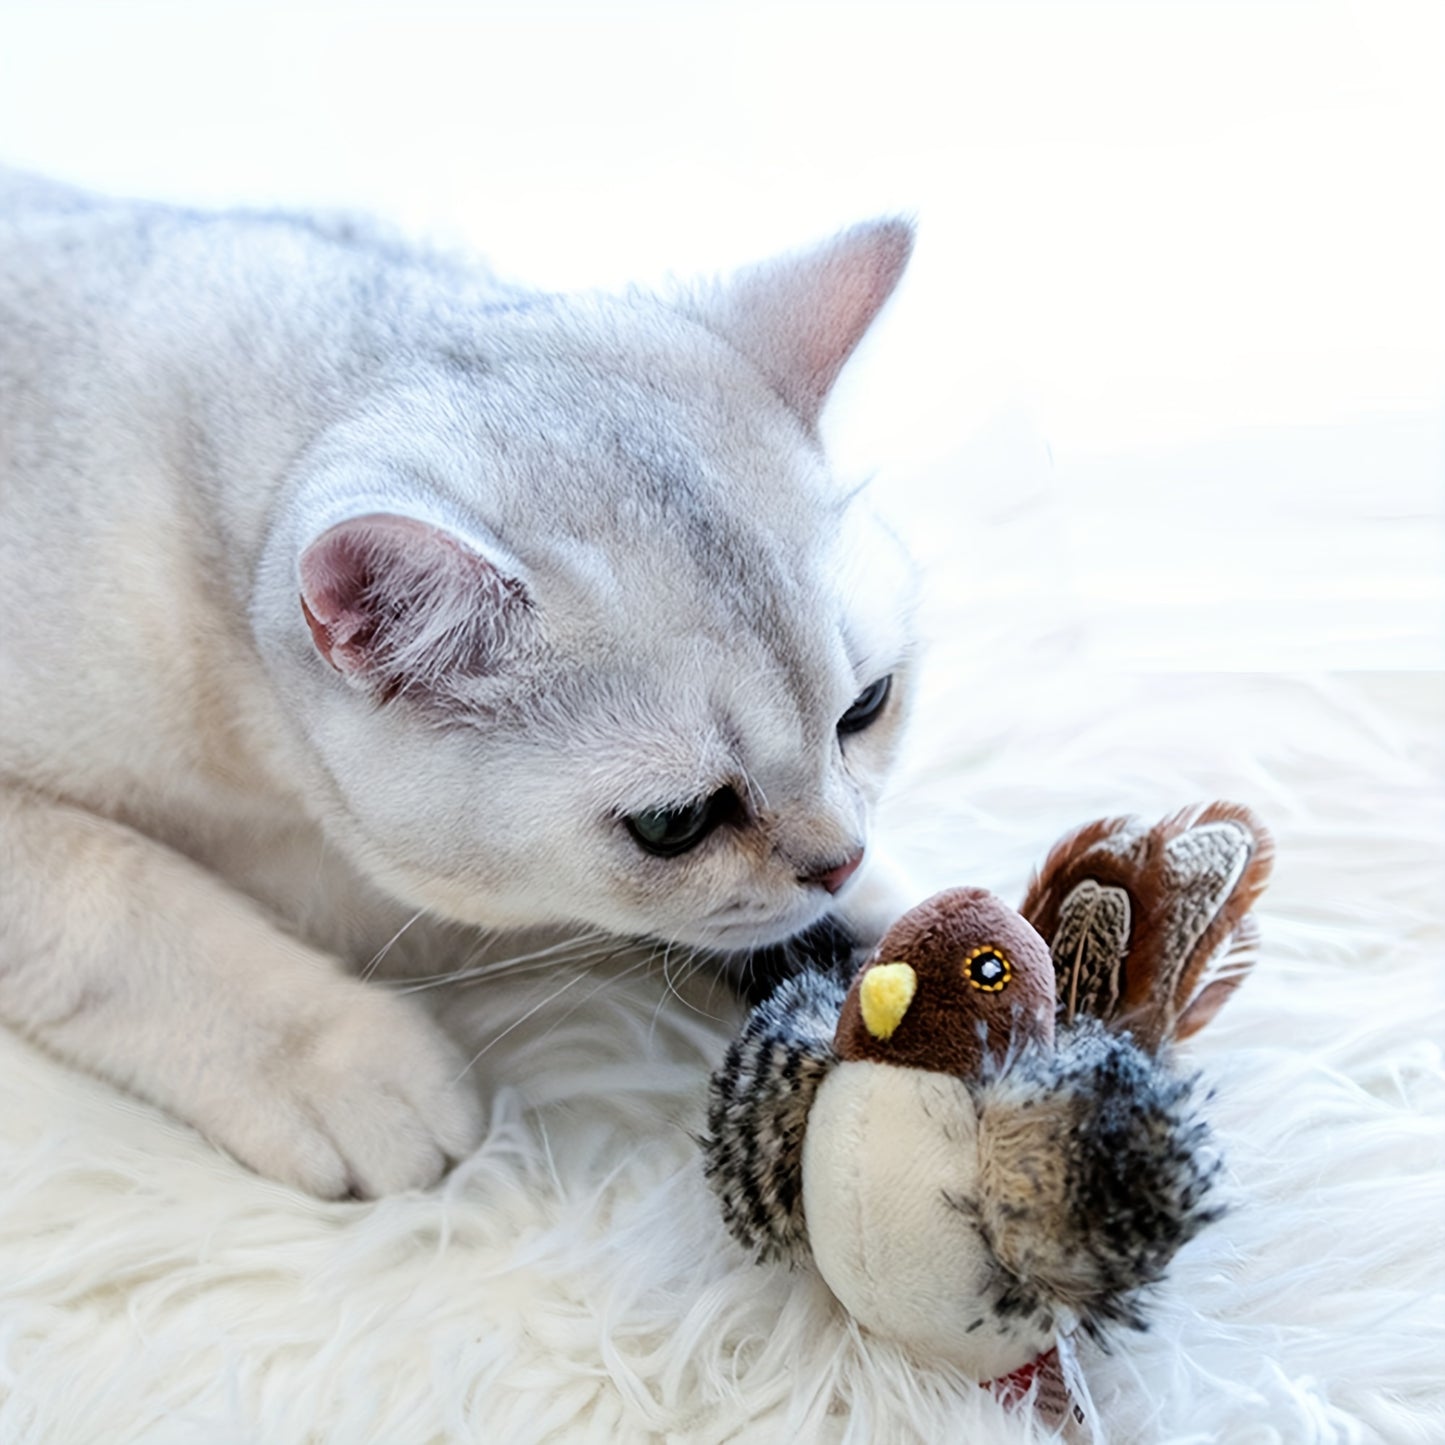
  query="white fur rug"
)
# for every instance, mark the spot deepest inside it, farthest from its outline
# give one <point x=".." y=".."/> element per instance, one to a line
<point x="573" y="1282"/>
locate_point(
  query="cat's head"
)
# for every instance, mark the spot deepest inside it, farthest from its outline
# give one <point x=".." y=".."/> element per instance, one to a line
<point x="580" y="628"/>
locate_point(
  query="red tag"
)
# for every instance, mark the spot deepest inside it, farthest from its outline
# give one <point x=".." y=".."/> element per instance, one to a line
<point x="1011" y="1388"/>
<point x="1052" y="1399"/>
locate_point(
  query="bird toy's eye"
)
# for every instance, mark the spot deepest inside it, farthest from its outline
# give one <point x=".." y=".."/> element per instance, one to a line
<point x="987" y="969"/>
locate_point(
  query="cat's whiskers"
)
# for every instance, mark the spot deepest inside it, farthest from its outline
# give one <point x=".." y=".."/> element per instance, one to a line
<point x="571" y="950"/>
<point x="691" y="960"/>
<point x="587" y="949"/>
<point x="669" y="987"/>
<point x="639" y="965"/>
<point x="386" y="947"/>
<point x="843" y="500"/>
<point x="695" y="960"/>
<point x="582" y="973"/>
<point x="756" y="798"/>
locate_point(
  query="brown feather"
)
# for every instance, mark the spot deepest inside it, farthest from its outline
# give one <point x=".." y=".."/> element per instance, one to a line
<point x="1184" y="888"/>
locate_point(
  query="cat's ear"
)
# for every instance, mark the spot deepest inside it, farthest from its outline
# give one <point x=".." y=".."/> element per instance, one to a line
<point x="800" y="317"/>
<point x="399" y="607"/>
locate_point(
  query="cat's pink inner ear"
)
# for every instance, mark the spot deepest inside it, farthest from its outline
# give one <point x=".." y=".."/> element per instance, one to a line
<point x="800" y="317"/>
<point x="400" y="606"/>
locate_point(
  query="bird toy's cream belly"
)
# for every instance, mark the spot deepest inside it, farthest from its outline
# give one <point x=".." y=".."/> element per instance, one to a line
<point x="890" y="1163"/>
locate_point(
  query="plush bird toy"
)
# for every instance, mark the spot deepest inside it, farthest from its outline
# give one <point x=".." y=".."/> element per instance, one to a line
<point x="982" y="1144"/>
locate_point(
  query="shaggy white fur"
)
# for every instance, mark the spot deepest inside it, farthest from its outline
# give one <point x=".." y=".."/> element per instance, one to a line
<point x="573" y="1281"/>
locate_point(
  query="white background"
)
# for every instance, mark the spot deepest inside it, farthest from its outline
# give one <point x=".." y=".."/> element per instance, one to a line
<point x="1162" y="393"/>
<point x="1168" y="365"/>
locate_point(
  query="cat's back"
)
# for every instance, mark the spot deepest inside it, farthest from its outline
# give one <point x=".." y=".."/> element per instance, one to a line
<point x="65" y="259"/>
<point x="89" y="273"/>
<point x="25" y="196"/>
<point x="29" y="201"/>
<point x="83" y="390"/>
<point x="140" y="337"/>
<point x="151" y="359"/>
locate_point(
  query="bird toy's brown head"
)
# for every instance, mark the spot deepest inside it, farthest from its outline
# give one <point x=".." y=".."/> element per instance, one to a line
<point x="959" y="977"/>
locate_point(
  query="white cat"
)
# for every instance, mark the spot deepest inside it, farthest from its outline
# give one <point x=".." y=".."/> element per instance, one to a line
<point x="339" y="581"/>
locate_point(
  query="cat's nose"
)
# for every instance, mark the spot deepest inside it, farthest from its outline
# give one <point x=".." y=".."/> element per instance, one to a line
<point x="834" y="878"/>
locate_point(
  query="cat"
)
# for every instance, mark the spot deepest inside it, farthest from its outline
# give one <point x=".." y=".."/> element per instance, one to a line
<point x="342" y="581"/>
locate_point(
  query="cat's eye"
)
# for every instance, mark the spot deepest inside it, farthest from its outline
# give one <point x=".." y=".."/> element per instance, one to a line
<point x="666" y="832"/>
<point x="866" y="706"/>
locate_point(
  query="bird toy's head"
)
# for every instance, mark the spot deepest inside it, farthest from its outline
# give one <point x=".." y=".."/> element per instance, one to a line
<point x="959" y="979"/>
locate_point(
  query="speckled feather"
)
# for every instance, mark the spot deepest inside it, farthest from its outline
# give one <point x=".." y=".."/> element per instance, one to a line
<point x="758" y="1105"/>
<point x="1097" y="1169"/>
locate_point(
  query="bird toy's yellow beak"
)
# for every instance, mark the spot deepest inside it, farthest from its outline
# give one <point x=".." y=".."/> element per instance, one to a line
<point x="884" y="995"/>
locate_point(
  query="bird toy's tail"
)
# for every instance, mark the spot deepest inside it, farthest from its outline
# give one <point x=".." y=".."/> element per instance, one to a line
<point x="1150" y="927"/>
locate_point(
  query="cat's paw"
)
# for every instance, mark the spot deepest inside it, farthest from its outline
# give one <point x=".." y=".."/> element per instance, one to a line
<point x="369" y="1099"/>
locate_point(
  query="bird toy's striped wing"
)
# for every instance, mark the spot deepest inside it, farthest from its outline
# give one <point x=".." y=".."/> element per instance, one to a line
<point x="1150" y="927"/>
<point x="758" y="1103"/>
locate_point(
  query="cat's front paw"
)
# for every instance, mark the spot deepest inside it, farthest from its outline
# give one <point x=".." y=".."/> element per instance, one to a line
<point x="369" y="1099"/>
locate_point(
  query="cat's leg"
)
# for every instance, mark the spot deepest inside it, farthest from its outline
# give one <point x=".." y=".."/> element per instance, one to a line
<point x="125" y="958"/>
